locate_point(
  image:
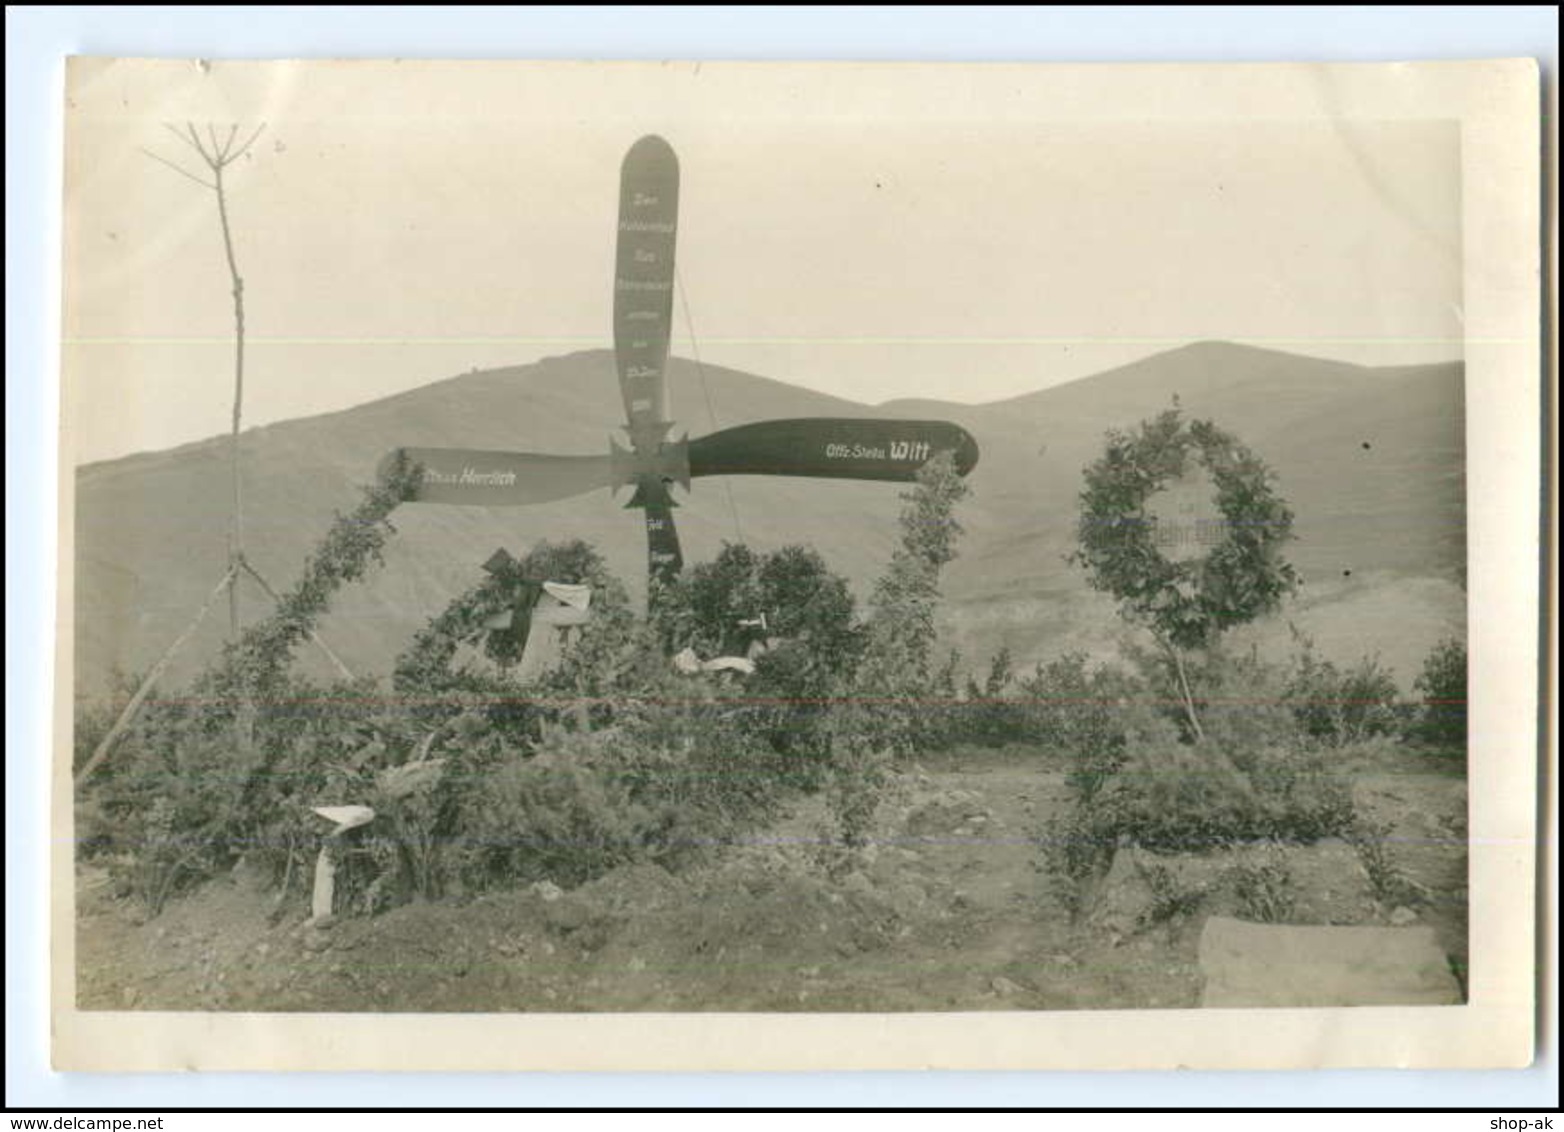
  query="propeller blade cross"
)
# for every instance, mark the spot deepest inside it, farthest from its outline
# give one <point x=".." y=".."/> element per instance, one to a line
<point x="822" y="447"/>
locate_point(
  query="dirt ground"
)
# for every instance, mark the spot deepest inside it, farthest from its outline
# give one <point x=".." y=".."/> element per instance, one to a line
<point x="949" y="909"/>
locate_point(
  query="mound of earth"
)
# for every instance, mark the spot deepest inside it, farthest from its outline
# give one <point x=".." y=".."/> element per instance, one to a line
<point x="948" y="908"/>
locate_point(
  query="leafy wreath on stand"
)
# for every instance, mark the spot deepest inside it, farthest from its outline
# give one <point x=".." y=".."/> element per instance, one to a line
<point x="1185" y="604"/>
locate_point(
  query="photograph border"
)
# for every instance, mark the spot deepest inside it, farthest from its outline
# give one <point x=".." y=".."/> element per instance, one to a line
<point x="36" y="41"/>
<point x="1492" y="100"/>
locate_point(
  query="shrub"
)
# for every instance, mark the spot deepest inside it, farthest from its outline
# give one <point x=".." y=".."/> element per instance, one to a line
<point x="714" y="606"/>
<point x="861" y="775"/>
<point x="172" y="850"/>
<point x="1263" y="886"/>
<point x="186" y="800"/>
<point x="1140" y="778"/>
<point x="811" y="641"/>
<point x="703" y="762"/>
<point x="1442" y="686"/>
<point x="175" y="809"/>
<point x="1303" y="798"/>
<point x="1077" y="847"/>
<point x="1080" y="714"/>
<point x="1253" y="776"/>
<point x="1341" y="706"/>
<point x="663" y="784"/>
<point x="945" y="718"/>
<point x="990" y="717"/>
<point x="1172" y="796"/>
<point x="1242" y="699"/>
<point x="1171" y="900"/>
<point x="1390" y="885"/>
<point x="563" y="815"/>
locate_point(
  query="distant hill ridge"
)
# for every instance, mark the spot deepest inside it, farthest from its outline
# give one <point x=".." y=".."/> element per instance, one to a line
<point x="1371" y="460"/>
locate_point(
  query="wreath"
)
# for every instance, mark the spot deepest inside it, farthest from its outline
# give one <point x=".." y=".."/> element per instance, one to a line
<point x="429" y="669"/>
<point x="1187" y="603"/>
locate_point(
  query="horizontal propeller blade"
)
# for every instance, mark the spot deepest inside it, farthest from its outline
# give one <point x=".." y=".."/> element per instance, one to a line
<point x="849" y="448"/>
<point x="478" y="478"/>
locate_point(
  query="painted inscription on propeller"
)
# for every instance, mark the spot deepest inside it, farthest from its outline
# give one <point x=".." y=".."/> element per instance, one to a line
<point x="470" y="476"/>
<point x="831" y="448"/>
<point x="916" y="450"/>
<point x="479" y="478"/>
<point x="643" y="282"/>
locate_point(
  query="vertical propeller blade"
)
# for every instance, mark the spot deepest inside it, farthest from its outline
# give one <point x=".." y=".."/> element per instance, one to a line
<point x="643" y="317"/>
<point x="664" y="559"/>
<point x="643" y="286"/>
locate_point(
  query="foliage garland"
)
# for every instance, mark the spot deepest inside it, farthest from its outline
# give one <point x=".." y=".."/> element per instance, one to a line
<point x="257" y="662"/>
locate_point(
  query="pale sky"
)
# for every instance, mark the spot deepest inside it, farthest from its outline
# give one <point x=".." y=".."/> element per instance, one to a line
<point x="398" y="224"/>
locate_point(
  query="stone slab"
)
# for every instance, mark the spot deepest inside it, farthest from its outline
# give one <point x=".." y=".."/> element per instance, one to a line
<point x="1289" y="965"/>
